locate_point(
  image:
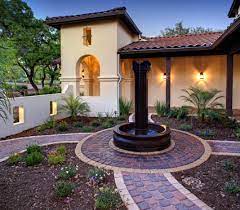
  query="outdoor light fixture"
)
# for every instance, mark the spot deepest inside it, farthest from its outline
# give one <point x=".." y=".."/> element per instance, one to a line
<point x="165" y="76"/>
<point x="201" y="76"/>
<point x="83" y="73"/>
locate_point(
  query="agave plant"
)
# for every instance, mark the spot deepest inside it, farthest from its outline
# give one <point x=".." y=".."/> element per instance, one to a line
<point x="75" y="106"/>
<point x="203" y="100"/>
<point x="161" y="108"/>
<point x="125" y="107"/>
<point x="4" y="104"/>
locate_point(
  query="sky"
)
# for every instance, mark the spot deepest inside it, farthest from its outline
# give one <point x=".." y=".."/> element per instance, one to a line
<point x="151" y="16"/>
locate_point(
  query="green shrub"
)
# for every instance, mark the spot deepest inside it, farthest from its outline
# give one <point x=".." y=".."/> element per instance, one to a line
<point x="95" y="123"/>
<point x="34" y="158"/>
<point x="78" y="124"/>
<point x="63" y="126"/>
<point x="87" y="129"/>
<point x="49" y="124"/>
<point x="108" y="198"/>
<point x="206" y="133"/>
<point x="173" y="113"/>
<point x="34" y="148"/>
<point x="161" y="109"/>
<point x="178" y="113"/>
<point x="232" y="187"/>
<point x="75" y="106"/>
<point x="14" y="159"/>
<point x="107" y="124"/>
<point x="55" y="158"/>
<point x="50" y="90"/>
<point x="215" y="115"/>
<point x="64" y="189"/>
<point x="237" y="132"/>
<point x="67" y="172"/>
<point x="125" y="107"/>
<point x="61" y="150"/>
<point x="185" y="127"/>
<point x="228" y="165"/>
<point x="96" y="175"/>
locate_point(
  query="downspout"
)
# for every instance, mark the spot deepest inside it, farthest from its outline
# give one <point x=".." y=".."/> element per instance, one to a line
<point x="119" y="81"/>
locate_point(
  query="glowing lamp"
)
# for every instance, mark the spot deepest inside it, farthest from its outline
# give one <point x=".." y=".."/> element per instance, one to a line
<point x="201" y="76"/>
<point x="165" y="76"/>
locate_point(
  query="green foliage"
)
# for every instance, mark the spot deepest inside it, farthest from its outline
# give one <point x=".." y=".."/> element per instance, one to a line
<point x="50" y="90"/>
<point x="185" y="127"/>
<point x="237" y="132"/>
<point x="4" y="104"/>
<point x="96" y="175"/>
<point x="108" y="198"/>
<point x="63" y="126"/>
<point x="61" y="150"/>
<point x="49" y="124"/>
<point x="14" y="159"/>
<point x="202" y="100"/>
<point x="107" y="124"/>
<point x="87" y="129"/>
<point x="161" y="109"/>
<point x="179" y="113"/>
<point x="34" y="158"/>
<point x="95" y="123"/>
<point x="215" y="115"/>
<point x="179" y="29"/>
<point x="34" y="148"/>
<point x="67" y="172"/>
<point x="54" y="158"/>
<point x="125" y="107"/>
<point x="75" y="106"/>
<point x="64" y="189"/>
<point x="232" y="187"/>
<point x="206" y="133"/>
<point x="229" y="165"/>
<point x="78" y="124"/>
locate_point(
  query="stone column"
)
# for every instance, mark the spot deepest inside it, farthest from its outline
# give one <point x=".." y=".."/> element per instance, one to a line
<point x="141" y="96"/>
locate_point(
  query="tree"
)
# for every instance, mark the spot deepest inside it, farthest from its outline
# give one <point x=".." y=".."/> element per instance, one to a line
<point x="35" y="43"/>
<point x="179" y="29"/>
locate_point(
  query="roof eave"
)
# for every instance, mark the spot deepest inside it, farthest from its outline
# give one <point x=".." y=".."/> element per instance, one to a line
<point x="235" y="4"/>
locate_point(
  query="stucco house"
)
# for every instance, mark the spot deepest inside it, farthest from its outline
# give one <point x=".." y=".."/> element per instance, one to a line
<point x="97" y="50"/>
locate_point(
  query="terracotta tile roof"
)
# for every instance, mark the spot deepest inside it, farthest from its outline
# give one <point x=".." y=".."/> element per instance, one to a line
<point x="181" y="41"/>
<point x="119" y="12"/>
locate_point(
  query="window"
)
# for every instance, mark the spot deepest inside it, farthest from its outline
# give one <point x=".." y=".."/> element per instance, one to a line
<point x="87" y="36"/>
<point x="53" y="108"/>
<point x="18" y="114"/>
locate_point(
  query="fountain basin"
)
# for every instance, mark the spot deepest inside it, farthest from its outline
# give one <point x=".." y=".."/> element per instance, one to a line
<point x="156" y="138"/>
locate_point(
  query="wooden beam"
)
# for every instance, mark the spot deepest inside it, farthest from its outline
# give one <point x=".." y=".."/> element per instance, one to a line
<point x="168" y="82"/>
<point x="229" y="86"/>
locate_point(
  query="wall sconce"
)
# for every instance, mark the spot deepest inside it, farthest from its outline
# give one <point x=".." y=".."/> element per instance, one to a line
<point x="201" y="76"/>
<point x="165" y="76"/>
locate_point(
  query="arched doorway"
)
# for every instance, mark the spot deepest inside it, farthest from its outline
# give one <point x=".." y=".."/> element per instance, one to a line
<point x="88" y="69"/>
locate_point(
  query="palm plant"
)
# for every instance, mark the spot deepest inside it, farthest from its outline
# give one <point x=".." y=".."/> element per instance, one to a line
<point x="75" y="106"/>
<point x="161" y="109"/>
<point x="4" y="103"/>
<point x="125" y="107"/>
<point x="202" y="100"/>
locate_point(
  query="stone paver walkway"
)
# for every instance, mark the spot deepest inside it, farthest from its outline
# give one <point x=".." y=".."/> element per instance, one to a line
<point x="225" y="147"/>
<point x="8" y="147"/>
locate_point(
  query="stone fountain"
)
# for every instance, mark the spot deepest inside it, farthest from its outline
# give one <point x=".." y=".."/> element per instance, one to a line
<point x="141" y="136"/>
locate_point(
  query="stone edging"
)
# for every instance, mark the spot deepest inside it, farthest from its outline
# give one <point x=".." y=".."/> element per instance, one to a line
<point x="46" y="144"/>
<point x="196" y="163"/>
<point x="111" y="145"/>
<point x="123" y="191"/>
<point x="226" y="154"/>
<point x="186" y="192"/>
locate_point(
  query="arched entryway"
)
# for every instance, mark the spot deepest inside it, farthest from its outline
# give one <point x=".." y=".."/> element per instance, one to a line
<point x="88" y="69"/>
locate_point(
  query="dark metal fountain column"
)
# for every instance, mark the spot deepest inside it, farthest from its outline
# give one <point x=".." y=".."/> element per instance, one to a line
<point x="141" y="96"/>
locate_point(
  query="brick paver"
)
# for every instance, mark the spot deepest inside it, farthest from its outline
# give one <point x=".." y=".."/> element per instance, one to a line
<point x="154" y="191"/>
<point x="7" y="147"/>
<point x="224" y="146"/>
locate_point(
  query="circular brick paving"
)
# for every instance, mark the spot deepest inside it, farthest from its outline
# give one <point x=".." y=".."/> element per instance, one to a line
<point x="189" y="151"/>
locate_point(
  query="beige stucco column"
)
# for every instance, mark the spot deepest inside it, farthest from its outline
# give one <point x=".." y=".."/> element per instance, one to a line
<point x="109" y="91"/>
<point x="73" y="83"/>
<point x="88" y="88"/>
<point x="127" y="90"/>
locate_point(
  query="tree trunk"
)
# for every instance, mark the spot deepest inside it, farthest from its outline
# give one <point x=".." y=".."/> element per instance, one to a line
<point x="35" y="87"/>
<point x="43" y="79"/>
<point x="52" y="77"/>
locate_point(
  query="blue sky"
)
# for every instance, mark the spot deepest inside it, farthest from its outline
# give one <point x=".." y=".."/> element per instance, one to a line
<point x="151" y="16"/>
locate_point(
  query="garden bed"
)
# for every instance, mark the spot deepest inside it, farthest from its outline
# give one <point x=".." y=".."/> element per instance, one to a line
<point x="216" y="182"/>
<point x="67" y="125"/>
<point x="34" y="187"/>
<point x="206" y="130"/>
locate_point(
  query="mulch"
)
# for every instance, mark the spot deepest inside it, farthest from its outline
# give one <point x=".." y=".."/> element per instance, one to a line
<point x="23" y="187"/>
<point x="221" y="131"/>
<point x="213" y="176"/>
